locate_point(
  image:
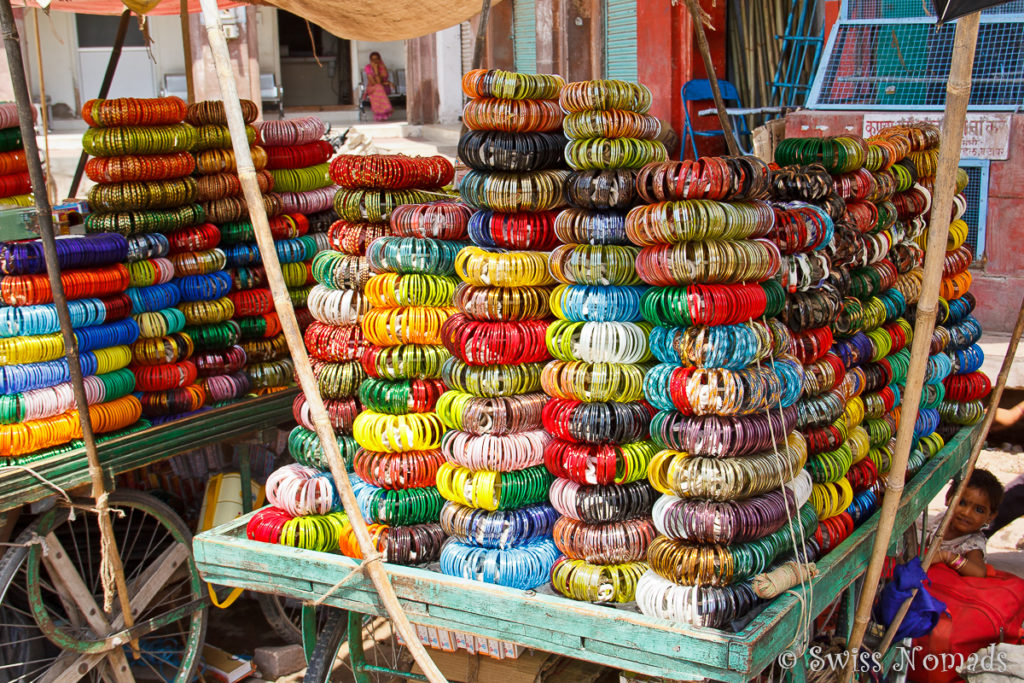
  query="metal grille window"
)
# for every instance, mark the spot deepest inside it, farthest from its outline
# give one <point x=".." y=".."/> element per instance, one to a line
<point x="977" y="204"/>
<point x="620" y="40"/>
<point x="524" y="36"/>
<point x="888" y="54"/>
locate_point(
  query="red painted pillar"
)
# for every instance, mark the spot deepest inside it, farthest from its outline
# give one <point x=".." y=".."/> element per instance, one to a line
<point x="668" y="56"/>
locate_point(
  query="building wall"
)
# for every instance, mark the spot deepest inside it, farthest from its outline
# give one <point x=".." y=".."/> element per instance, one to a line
<point x="998" y="279"/>
<point x="269" y="43"/>
<point x="58" y="39"/>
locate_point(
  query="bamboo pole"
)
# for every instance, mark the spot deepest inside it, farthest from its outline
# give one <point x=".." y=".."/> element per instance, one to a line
<point x="108" y="78"/>
<point x="44" y="111"/>
<point x="111" y="560"/>
<point x="958" y="91"/>
<point x="705" y="53"/>
<point x="990" y="416"/>
<point x="186" y="44"/>
<point x="282" y="303"/>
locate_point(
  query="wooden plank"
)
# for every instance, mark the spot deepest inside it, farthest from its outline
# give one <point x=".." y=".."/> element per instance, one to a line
<point x="64" y="572"/>
<point x="68" y="471"/>
<point x="614" y="637"/>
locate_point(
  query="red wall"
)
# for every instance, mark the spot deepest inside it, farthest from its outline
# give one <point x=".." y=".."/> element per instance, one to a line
<point x="668" y="56"/>
<point x="999" y="275"/>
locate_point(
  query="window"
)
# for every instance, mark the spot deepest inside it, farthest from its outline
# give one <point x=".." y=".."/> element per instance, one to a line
<point x="977" y="205"/>
<point x="888" y="54"/>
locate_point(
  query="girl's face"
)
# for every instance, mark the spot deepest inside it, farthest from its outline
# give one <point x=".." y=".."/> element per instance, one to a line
<point x="972" y="512"/>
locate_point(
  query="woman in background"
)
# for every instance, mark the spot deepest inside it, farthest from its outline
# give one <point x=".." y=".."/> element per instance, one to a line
<point x="378" y="87"/>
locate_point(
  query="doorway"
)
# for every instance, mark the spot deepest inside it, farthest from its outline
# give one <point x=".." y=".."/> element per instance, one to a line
<point x="306" y="82"/>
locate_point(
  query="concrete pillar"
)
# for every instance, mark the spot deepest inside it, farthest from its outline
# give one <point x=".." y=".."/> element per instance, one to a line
<point x="449" y="75"/>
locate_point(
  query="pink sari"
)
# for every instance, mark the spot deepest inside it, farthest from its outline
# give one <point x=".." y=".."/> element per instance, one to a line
<point x="378" y="93"/>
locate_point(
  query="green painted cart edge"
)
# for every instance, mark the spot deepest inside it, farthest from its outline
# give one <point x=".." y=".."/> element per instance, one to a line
<point x="626" y="640"/>
<point x="68" y="470"/>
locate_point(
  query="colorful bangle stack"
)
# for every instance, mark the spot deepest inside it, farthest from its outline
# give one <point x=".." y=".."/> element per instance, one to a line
<point x="392" y="445"/>
<point x="725" y="371"/>
<point x="806" y="231"/>
<point x="142" y="166"/>
<point x="201" y="259"/>
<point x="165" y="376"/>
<point x="38" y="411"/>
<point x="298" y="188"/>
<point x="493" y="476"/>
<point x="15" y="186"/>
<point x="398" y="431"/>
<point x="954" y="371"/>
<point x="596" y="415"/>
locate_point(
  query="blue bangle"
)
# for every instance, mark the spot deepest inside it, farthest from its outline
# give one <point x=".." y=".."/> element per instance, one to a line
<point x="120" y="333"/>
<point x="205" y="287"/>
<point x="966" y="361"/>
<point x="589" y="303"/>
<point x="523" y="567"/>
<point x="154" y="298"/>
<point x="498" y="529"/>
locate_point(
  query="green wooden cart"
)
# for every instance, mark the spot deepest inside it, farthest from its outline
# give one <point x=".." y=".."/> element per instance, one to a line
<point x="605" y="635"/>
<point x="52" y="626"/>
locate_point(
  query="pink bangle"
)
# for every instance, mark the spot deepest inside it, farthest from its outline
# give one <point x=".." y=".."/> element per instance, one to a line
<point x="958" y="562"/>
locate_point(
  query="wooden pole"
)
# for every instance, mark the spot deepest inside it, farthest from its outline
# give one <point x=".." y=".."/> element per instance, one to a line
<point x="186" y="44"/>
<point x="111" y="558"/>
<point x="705" y="53"/>
<point x="282" y="302"/>
<point x="979" y="442"/>
<point x="108" y="78"/>
<point x="481" y="35"/>
<point x="958" y="92"/>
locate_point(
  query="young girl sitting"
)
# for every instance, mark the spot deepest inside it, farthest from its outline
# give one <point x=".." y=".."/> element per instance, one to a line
<point x="963" y="544"/>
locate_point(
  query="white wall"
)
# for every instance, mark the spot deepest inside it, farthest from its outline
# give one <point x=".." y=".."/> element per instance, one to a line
<point x="449" y="75"/>
<point x="269" y="44"/>
<point x="59" y="40"/>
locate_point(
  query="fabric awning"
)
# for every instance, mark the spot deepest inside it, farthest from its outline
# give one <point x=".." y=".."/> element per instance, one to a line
<point x="352" y="19"/>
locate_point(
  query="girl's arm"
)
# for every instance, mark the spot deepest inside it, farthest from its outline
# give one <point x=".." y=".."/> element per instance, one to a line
<point x="969" y="564"/>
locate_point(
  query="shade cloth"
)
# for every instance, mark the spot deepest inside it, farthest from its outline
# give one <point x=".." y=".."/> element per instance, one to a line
<point x="352" y="19"/>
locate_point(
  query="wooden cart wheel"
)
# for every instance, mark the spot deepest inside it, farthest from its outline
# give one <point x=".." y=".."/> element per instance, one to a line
<point x="51" y="620"/>
<point x="357" y="647"/>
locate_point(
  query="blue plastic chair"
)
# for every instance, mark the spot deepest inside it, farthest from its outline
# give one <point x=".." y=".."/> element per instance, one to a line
<point x="700" y="89"/>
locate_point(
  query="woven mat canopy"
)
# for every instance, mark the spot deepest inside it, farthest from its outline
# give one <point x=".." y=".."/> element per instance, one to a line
<point x="382" y="20"/>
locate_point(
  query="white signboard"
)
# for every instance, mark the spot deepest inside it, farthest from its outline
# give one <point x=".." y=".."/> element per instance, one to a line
<point x="986" y="136"/>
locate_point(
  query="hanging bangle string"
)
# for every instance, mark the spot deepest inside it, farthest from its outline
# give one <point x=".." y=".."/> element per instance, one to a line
<point x="605" y="94"/>
<point x="291" y="132"/>
<point x="606" y="153"/>
<point x="511" y="85"/>
<point x="41" y="319"/>
<point x="523" y="567"/>
<point x="597" y="423"/>
<point x="491" y="150"/>
<point x="602" y="189"/>
<point x="131" y="111"/>
<point x="490" y="415"/>
<point x="140" y="167"/>
<point x="686" y="476"/>
<point x="435" y="220"/>
<point x="499" y="528"/>
<point x="391" y="172"/>
<point x="598" y="342"/>
<point x="512" y="116"/>
<point x="491" y="343"/>
<point x="299" y="156"/>
<point x="375" y="205"/>
<point x="503" y="303"/>
<point x="492" y="490"/>
<point x="512" y="192"/>
<point x="532" y="230"/>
